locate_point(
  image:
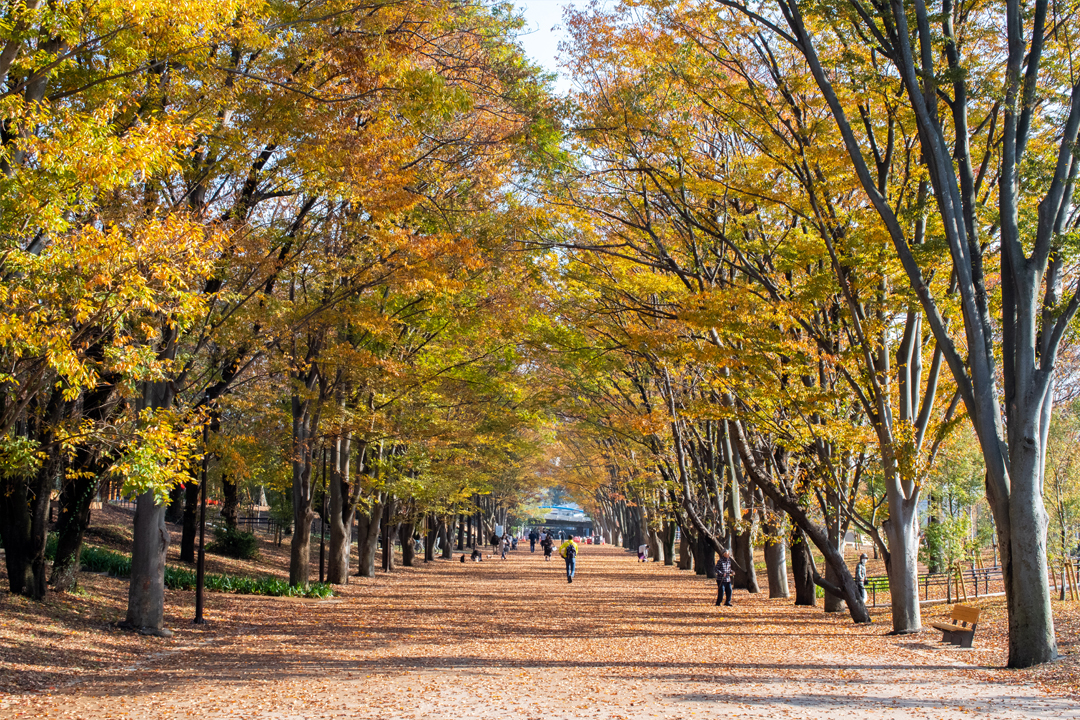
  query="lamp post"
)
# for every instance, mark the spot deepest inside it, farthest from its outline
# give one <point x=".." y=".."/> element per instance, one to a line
<point x="388" y="550"/>
<point x="200" y="572"/>
<point x="322" y="523"/>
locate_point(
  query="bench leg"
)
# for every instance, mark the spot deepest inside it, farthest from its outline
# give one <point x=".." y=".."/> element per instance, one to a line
<point x="966" y="639"/>
<point x="946" y="637"/>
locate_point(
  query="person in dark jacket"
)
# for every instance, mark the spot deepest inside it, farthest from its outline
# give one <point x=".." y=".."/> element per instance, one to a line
<point x="533" y="537"/>
<point x="725" y="573"/>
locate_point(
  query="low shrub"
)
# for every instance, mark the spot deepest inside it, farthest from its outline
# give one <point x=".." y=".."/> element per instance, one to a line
<point x="94" y="559"/>
<point x="110" y="562"/>
<point x="234" y="543"/>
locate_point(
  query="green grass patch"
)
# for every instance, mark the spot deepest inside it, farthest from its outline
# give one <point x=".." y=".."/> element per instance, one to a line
<point x="96" y="559"/>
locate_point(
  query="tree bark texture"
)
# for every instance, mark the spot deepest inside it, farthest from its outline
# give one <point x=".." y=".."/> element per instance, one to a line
<point x="686" y="557"/>
<point x="342" y="510"/>
<point x="834" y="603"/>
<point x="408" y="547"/>
<point x="25" y="505"/>
<point x="669" y="542"/>
<point x="146" y="591"/>
<point x="368" y="527"/>
<point x="444" y="542"/>
<point x="805" y="589"/>
<point x="902" y="530"/>
<point x="745" y="557"/>
<point x="191" y="519"/>
<point x="305" y="423"/>
<point x="776" y="566"/>
<point x="75" y="499"/>
<point x="230" y="500"/>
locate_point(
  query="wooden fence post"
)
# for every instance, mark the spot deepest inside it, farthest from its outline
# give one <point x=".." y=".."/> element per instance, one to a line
<point x="961" y="586"/>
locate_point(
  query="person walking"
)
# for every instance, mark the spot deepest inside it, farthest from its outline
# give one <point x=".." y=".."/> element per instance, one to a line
<point x="568" y="551"/>
<point x="505" y="545"/>
<point x="533" y="537"/>
<point x="860" y="576"/>
<point x="547" y="543"/>
<point x="724" y="574"/>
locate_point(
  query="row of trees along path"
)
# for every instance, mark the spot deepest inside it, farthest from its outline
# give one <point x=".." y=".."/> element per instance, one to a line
<point x="370" y="257"/>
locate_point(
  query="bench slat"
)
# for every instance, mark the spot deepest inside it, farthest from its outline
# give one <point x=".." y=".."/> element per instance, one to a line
<point x="946" y="627"/>
<point x="965" y="613"/>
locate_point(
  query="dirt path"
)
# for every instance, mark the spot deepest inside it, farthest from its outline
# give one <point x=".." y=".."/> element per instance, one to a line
<point x="506" y="640"/>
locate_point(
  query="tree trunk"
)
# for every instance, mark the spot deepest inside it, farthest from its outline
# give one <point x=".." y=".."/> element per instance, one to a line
<point x="669" y="542"/>
<point x="79" y="489"/>
<point x="305" y="423"/>
<point x="175" y="512"/>
<point x="845" y="584"/>
<point x="698" y="549"/>
<point x="342" y="510"/>
<point x="902" y="530"/>
<point x="776" y="562"/>
<point x="656" y="546"/>
<point x="230" y="503"/>
<point x="191" y="520"/>
<point x="834" y="603"/>
<point x="686" y="559"/>
<point x="25" y="514"/>
<point x="460" y="532"/>
<point x="150" y="537"/>
<point x="429" y="538"/>
<point x="1027" y="582"/>
<point x="745" y="556"/>
<point x="368" y="527"/>
<point x="444" y="539"/>
<point x="146" y="591"/>
<point x="389" y="532"/>
<point x="408" y="547"/>
<point x="75" y="500"/>
<point x="805" y="590"/>
<point x="24" y="506"/>
<point x="300" y="547"/>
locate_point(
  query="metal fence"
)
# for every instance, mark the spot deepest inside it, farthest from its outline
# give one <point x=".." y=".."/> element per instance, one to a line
<point x="252" y="523"/>
<point x="944" y="586"/>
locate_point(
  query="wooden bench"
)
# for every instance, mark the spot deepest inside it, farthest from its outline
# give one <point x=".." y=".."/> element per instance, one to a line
<point x="961" y="630"/>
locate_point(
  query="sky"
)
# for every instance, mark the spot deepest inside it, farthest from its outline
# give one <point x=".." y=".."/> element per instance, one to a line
<point x="540" y="37"/>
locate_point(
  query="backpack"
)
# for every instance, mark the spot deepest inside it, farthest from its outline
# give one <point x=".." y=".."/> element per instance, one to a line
<point x="571" y="551"/>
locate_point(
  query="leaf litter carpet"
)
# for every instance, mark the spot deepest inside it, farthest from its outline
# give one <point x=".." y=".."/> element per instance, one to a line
<point x="511" y="639"/>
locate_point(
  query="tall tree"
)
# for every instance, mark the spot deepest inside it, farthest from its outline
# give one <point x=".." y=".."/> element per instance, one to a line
<point x="963" y="92"/>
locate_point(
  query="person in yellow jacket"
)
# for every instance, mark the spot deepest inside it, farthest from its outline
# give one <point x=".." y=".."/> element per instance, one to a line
<point x="568" y="551"/>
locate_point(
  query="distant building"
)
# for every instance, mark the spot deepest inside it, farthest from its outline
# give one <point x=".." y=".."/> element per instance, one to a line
<point x="567" y="519"/>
